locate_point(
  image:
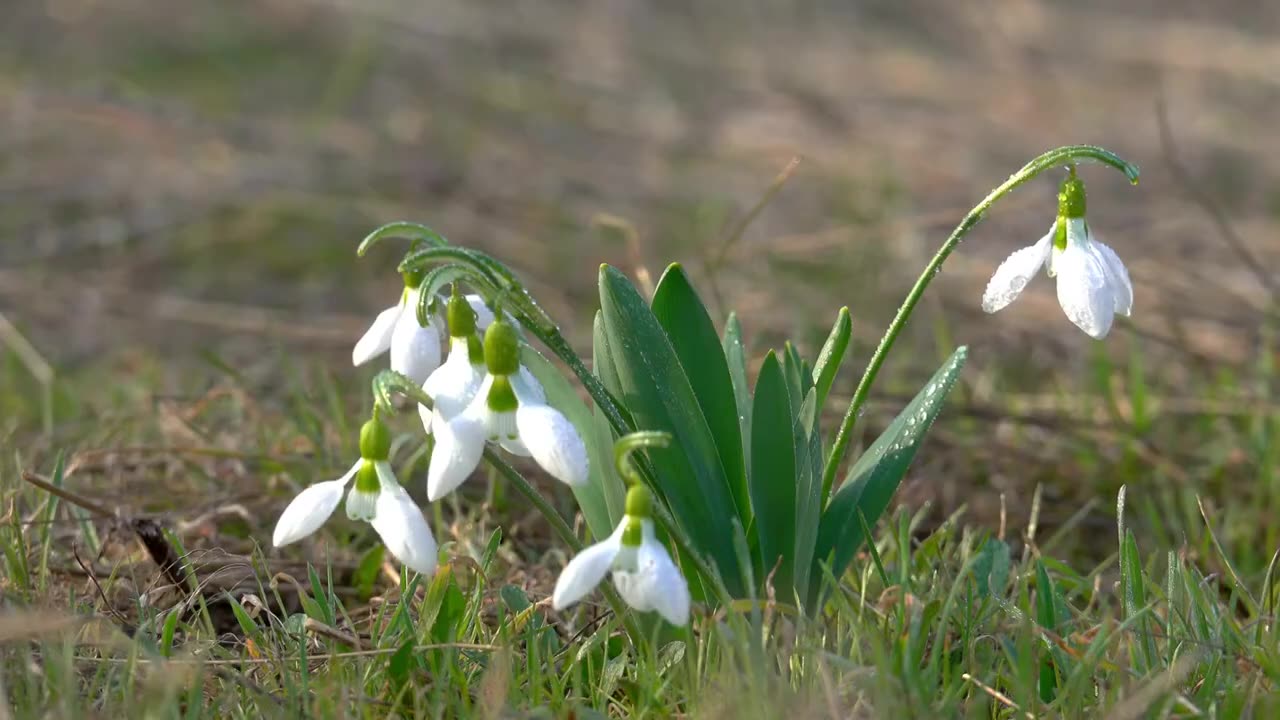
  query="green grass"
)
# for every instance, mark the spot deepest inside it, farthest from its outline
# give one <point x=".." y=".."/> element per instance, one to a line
<point x="1165" y="613"/>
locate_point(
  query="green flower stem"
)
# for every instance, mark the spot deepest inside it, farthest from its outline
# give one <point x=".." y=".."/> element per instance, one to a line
<point x="1054" y="158"/>
<point x="388" y="381"/>
<point x="556" y="342"/>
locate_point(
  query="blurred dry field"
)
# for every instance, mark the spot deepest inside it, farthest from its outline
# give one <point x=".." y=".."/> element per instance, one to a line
<point x="182" y="182"/>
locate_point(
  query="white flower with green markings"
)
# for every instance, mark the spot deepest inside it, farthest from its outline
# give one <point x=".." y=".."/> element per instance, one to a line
<point x="509" y="409"/>
<point x="1093" y="284"/>
<point x="415" y="348"/>
<point x="643" y="571"/>
<point x="376" y="498"/>
<point x="454" y="384"/>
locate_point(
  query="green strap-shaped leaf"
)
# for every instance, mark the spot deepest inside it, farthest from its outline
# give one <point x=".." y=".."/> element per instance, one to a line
<point x="832" y="353"/>
<point x="602" y="365"/>
<point x="653" y="385"/>
<point x="874" y="478"/>
<point x="603" y="484"/>
<point x="808" y="444"/>
<point x="693" y="336"/>
<point x="735" y="355"/>
<point x="773" y="473"/>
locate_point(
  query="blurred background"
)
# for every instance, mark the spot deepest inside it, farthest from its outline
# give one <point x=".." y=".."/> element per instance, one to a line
<point x="184" y="185"/>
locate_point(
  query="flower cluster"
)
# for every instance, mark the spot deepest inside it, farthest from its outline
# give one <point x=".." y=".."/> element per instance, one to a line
<point x="483" y="394"/>
<point x="477" y="396"/>
<point x="480" y="394"/>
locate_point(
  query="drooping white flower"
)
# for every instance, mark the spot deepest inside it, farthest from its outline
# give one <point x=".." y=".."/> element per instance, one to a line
<point x="415" y="349"/>
<point x="376" y="498"/>
<point x="643" y="572"/>
<point x="453" y="385"/>
<point x="1093" y="284"/>
<point x="509" y="409"/>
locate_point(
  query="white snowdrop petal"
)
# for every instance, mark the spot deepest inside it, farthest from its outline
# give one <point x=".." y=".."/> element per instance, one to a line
<point x="415" y="350"/>
<point x="1118" y="277"/>
<point x="553" y="442"/>
<point x="515" y="446"/>
<point x="1083" y="290"/>
<point x="308" y="511"/>
<point x="459" y="445"/>
<point x="453" y="385"/>
<point x="585" y="571"/>
<point x="484" y="316"/>
<point x="404" y="530"/>
<point x="1014" y="273"/>
<point x="377" y="339"/>
<point x="667" y="590"/>
<point x="527" y="388"/>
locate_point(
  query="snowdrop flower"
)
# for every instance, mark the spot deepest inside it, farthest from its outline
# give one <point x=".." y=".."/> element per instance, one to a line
<point x="453" y="385"/>
<point x="1093" y="285"/>
<point x="415" y="349"/>
<point x="643" y="571"/>
<point x="376" y="498"/>
<point x="509" y="408"/>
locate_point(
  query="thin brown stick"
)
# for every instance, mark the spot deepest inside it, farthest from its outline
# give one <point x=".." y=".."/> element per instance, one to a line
<point x="71" y="497"/>
<point x="996" y="694"/>
<point x="93" y="578"/>
<point x="734" y="235"/>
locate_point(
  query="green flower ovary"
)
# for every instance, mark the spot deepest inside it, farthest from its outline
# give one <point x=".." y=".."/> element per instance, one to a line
<point x="462" y="319"/>
<point x="375" y="440"/>
<point x="639" y="502"/>
<point x="501" y="348"/>
<point x="1071" y="200"/>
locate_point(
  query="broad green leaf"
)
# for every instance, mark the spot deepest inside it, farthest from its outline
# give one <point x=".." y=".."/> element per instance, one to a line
<point x="793" y="371"/>
<point x="832" y="353"/>
<point x="600" y="449"/>
<point x="693" y="336"/>
<point x="593" y="497"/>
<point x="773" y="473"/>
<point x="808" y="488"/>
<point x="874" y="478"/>
<point x="735" y="355"/>
<point x="650" y="380"/>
